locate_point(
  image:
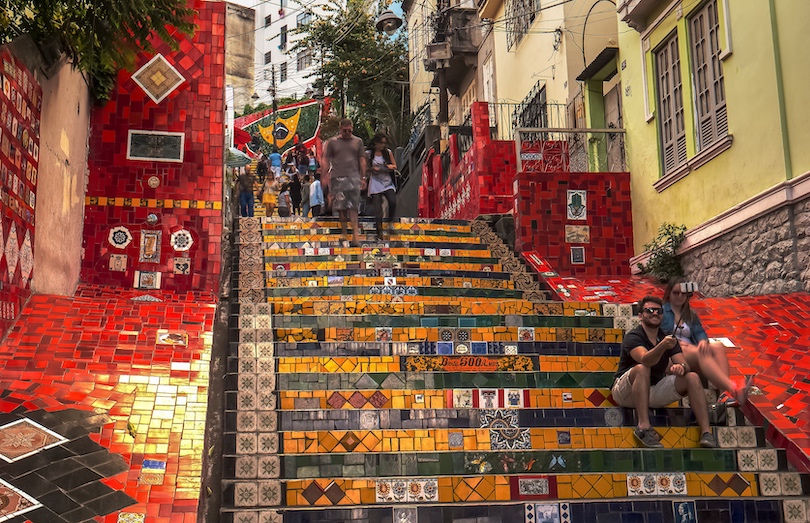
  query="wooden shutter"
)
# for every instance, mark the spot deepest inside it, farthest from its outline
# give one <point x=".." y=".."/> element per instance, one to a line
<point x="707" y="76"/>
<point x="670" y="105"/>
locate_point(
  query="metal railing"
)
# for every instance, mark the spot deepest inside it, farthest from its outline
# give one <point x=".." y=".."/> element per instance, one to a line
<point x="421" y="119"/>
<point x="547" y="149"/>
<point x="505" y="117"/>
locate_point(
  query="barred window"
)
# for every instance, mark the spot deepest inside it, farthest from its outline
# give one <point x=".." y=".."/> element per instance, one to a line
<point x="520" y="14"/>
<point x="670" y="105"/>
<point x="709" y="85"/>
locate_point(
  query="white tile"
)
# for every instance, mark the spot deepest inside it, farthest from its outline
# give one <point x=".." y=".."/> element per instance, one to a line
<point x="747" y="437"/>
<point x="795" y="511"/>
<point x="768" y="459"/>
<point x="747" y="460"/>
<point x="791" y="483"/>
<point x="726" y="437"/>
<point x="770" y="484"/>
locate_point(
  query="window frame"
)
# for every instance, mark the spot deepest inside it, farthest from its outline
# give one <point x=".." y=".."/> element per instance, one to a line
<point x="307" y="56"/>
<point x="708" y="80"/>
<point x="671" y="118"/>
<point x="282" y="72"/>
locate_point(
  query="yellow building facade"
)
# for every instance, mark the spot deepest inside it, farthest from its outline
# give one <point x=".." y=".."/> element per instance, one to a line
<point x="716" y="121"/>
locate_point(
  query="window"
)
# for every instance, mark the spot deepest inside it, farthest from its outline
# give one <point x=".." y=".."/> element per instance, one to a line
<point x="268" y="20"/>
<point x="710" y="96"/>
<point x="283" y="4"/>
<point x="282" y="72"/>
<point x="268" y="57"/>
<point x="520" y="14"/>
<point x="283" y="38"/>
<point x="670" y="105"/>
<point x="155" y="146"/>
<point x="304" y="60"/>
<point x="303" y="19"/>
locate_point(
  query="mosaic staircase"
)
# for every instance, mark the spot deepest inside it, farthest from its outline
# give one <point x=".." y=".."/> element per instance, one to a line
<point x="425" y="379"/>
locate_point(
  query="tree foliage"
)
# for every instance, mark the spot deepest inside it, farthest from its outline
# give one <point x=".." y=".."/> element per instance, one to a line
<point x="357" y="65"/>
<point x="100" y="37"/>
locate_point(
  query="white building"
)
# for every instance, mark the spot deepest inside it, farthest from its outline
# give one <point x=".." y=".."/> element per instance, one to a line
<point x="276" y="21"/>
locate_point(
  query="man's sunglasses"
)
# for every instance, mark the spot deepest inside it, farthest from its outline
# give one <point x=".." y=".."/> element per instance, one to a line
<point x="653" y="310"/>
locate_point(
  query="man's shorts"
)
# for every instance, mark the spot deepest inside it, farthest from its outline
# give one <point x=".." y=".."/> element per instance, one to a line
<point x="661" y="394"/>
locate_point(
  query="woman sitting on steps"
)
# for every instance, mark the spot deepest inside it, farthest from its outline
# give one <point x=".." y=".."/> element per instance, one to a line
<point x="707" y="359"/>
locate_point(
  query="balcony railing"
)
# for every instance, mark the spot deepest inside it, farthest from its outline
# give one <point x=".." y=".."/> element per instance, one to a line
<point x="547" y="149"/>
<point x="505" y="117"/>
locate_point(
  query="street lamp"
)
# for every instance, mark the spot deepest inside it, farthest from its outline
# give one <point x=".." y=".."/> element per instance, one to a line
<point x="388" y="22"/>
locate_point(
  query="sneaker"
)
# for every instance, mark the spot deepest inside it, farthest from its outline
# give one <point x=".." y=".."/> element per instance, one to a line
<point x="728" y="399"/>
<point x="649" y="438"/>
<point x="708" y="441"/>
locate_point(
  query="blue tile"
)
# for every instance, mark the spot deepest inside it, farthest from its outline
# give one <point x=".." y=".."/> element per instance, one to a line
<point x="444" y="348"/>
<point x="478" y="347"/>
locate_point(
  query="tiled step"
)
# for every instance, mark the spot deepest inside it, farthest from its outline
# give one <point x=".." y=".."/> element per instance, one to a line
<point x="450" y="306"/>
<point x="382" y="281"/>
<point x="400" y="290"/>
<point x="369" y="349"/>
<point x="505" y="488"/>
<point x="384" y="465"/>
<point x="388" y="417"/>
<point x="482" y="334"/>
<point x="407" y="396"/>
<point x="638" y="509"/>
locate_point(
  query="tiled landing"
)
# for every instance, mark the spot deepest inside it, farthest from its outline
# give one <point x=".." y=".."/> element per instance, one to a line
<point x="103" y="405"/>
<point x="444" y="405"/>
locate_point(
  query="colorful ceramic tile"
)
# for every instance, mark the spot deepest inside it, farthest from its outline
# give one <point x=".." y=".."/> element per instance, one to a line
<point x="462" y="398"/>
<point x="384" y="334"/>
<point x="181" y="240"/>
<point x="577" y="234"/>
<point x="576" y="205"/>
<point x="525" y="333"/>
<point x="547" y="513"/>
<point x="119" y="237"/>
<point x="578" y="255"/>
<point x="118" y="262"/>
<point x="684" y="511"/>
<point x="150" y="247"/>
<point x="22" y="438"/>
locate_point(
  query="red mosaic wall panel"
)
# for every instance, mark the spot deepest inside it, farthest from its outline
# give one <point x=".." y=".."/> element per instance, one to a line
<point x="541" y="218"/>
<point x="20" y="113"/>
<point x="478" y="183"/>
<point x="187" y="195"/>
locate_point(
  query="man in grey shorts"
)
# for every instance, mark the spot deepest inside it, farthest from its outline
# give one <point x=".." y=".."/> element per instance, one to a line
<point x="346" y="157"/>
<point x="646" y="377"/>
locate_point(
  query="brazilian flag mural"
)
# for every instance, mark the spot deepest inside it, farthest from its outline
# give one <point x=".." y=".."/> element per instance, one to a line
<point x="280" y="129"/>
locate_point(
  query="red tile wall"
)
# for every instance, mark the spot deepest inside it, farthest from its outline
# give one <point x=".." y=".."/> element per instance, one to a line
<point x="20" y="113"/>
<point x="541" y="217"/>
<point x="196" y="109"/>
<point x="478" y="183"/>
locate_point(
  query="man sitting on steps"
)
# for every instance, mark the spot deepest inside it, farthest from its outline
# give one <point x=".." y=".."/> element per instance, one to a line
<point x="646" y="377"/>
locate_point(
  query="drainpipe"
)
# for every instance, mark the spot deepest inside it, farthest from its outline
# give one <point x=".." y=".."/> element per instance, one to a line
<point x="780" y="91"/>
